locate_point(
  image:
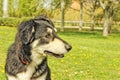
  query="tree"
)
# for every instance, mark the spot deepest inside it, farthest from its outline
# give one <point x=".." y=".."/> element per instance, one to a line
<point x="62" y="15"/>
<point x="94" y="6"/>
<point x="107" y="6"/>
<point x="81" y="15"/>
<point x="5" y="8"/>
<point x="91" y="6"/>
<point x="61" y="4"/>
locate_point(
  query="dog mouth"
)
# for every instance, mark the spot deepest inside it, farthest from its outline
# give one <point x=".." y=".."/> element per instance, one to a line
<point x="54" y="54"/>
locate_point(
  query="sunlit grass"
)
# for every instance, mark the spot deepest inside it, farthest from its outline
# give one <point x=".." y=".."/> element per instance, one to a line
<point x="6" y="38"/>
<point x="92" y="57"/>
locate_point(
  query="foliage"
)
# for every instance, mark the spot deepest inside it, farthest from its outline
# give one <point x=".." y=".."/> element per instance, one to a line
<point x="27" y="9"/>
<point x="1" y="8"/>
<point x="116" y="16"/>
<point x="12" y="21"/>
<point x="56" y="3"/>
<point x="93" y="57"/>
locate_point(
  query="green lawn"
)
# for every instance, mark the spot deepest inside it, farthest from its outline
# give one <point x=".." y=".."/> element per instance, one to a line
<point x="92" y="57"/>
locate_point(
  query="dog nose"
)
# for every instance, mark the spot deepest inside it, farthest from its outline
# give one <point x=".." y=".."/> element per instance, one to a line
<point x="68" y="47"/>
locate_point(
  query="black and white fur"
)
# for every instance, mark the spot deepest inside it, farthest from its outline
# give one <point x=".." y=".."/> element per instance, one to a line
<point x="27" y="56"/>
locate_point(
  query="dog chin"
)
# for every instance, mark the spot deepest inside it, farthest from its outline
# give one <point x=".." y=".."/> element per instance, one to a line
<point x="54" y="54"/>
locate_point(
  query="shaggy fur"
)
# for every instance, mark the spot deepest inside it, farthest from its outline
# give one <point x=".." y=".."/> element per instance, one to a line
<point x="27" y="56"/>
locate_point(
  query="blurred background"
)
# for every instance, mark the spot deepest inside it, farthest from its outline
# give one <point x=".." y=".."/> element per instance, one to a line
<point x="80" y="14"/>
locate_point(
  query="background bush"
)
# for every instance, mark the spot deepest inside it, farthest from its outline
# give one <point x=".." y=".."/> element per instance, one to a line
<point x="12" y="21"/>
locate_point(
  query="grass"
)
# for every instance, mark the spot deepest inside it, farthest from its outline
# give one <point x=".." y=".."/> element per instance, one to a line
<point x="92" y="57"/>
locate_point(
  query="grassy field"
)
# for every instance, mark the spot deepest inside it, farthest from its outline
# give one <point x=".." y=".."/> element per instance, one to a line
<point x="92" y="57"/>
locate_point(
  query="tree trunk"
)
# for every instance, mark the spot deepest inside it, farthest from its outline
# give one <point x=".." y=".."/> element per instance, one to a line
<point x="108" y="13"/>
<point x="92" y="21"/>
<point x="81" y="15"/>
<point x="94" y="4"/>
<point x="106" y="23"/>
<point x="110" y="19"/>
<point x="62" y="15"/>
<point x="5" y="8"/>
<point x="62" y="20"/>
<point x="110" y="25"/>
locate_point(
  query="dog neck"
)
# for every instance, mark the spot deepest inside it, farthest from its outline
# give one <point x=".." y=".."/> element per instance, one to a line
<point x="35" y="70"/>
<point x="39" y="62"/>
<point x="36" y="57"/>
<point x="40" y="69"/>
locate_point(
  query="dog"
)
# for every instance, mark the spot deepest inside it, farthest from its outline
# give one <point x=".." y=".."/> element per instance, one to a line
<point x="34" y="41"/>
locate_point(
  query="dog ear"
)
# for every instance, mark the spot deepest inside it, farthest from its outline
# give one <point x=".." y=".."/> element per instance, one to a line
<point x="27" y="30"/>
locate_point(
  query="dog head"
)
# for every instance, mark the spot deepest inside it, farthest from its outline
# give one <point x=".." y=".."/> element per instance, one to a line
<point x="40" y="35"/>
